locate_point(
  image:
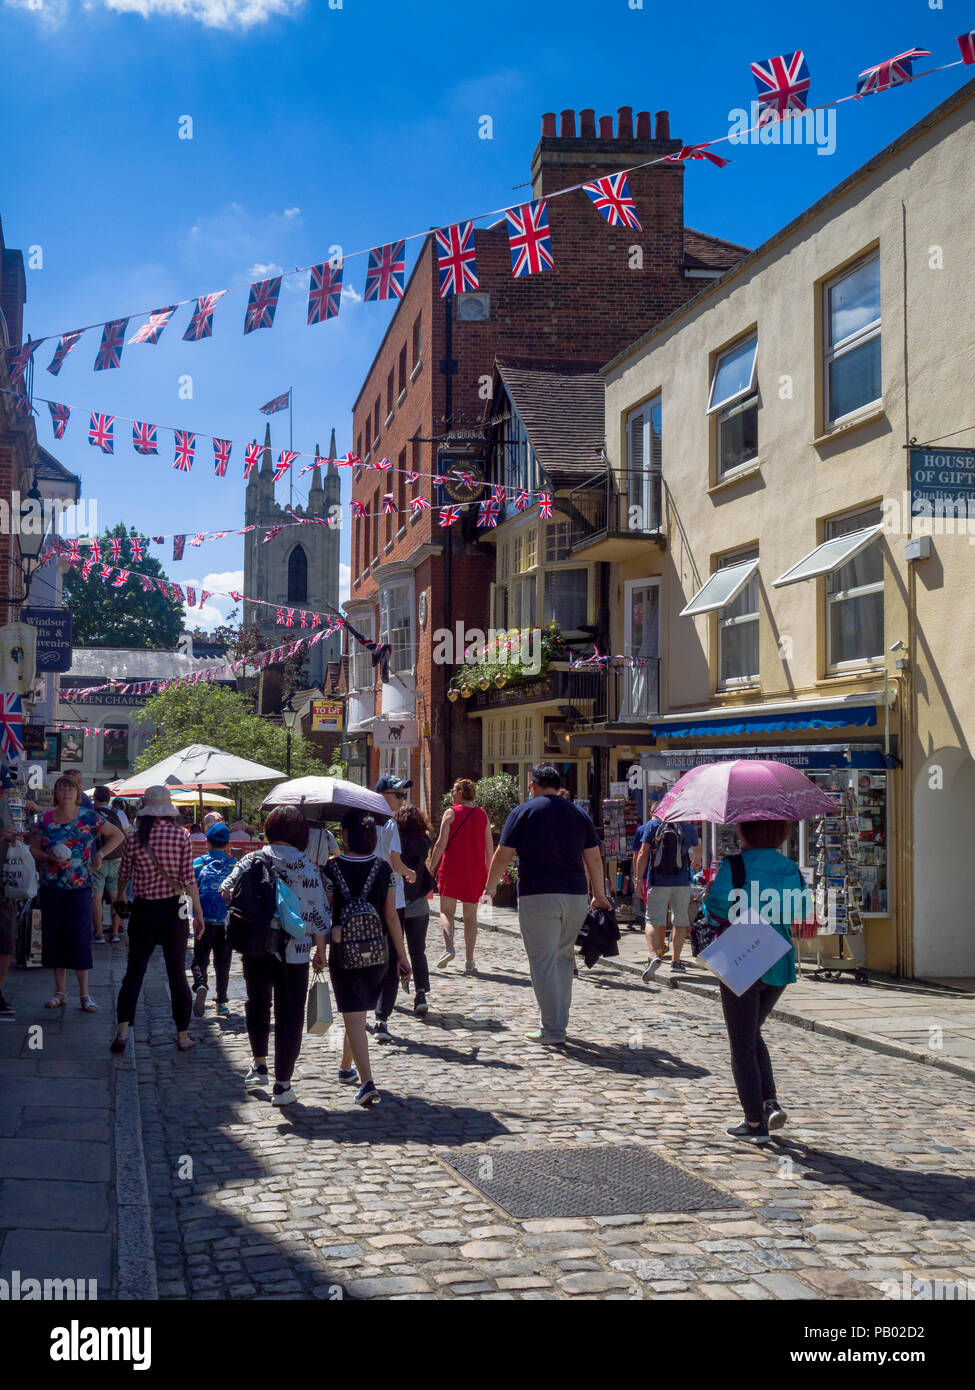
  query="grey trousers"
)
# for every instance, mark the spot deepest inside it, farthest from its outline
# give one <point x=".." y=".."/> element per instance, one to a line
<point x="550" y="923"/>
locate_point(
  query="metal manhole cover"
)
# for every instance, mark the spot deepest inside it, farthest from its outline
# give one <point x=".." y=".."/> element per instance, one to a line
<point x="611" y="1180"/>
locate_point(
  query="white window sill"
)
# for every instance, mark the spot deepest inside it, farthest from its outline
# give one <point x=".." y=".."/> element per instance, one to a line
<point x="836" y="675"/>
<point x="730" y="690"/>
<point x="844" y="427"/>
<point x="737" y="475"/>
<point x="401" y="533"/>
<point x="416" y="370"/>
<point x="388" y="420"/>
<point x="401" y="397"/>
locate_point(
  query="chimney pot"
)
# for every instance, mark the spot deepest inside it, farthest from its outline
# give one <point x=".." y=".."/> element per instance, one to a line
<point x="605" y="127"/>
<point x="662" y="131"/>
<point x="644" y="129"/>
<point x="625" y="123"/>
<point x="587" y="123"/>
<point x="548" y="123"/>
<point x="568" y="125"/>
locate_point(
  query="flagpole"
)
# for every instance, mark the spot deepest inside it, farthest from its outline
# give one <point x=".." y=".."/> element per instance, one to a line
<point x="291" y="445"/>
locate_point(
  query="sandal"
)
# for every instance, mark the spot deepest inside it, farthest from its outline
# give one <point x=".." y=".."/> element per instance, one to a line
<point x="88" y="1004"/>
<point x="57" y="1000"/>
<point x="185" y="1046"/>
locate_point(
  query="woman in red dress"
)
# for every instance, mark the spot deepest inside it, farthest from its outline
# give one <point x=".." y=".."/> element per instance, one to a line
<point x="463" y="852"/>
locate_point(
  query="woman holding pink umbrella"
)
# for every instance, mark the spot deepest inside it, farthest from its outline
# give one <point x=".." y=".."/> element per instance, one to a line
<point x="763" y="798"/>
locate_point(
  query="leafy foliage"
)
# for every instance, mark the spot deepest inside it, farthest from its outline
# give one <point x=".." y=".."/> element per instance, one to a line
<point x="498" y="795"/>
<point x="103" y="616"/>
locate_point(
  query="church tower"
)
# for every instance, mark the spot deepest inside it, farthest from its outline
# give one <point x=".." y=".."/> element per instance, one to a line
<point x="299" y="567"/>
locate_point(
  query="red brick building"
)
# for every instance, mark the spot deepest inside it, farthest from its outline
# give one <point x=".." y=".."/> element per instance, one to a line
<point x="423" y="403"/>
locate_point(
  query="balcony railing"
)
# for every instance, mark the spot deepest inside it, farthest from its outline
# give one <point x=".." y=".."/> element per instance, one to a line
<point x="572" y="687"/>
<point x="612" y="504"/>
<point x="627" y="694"/>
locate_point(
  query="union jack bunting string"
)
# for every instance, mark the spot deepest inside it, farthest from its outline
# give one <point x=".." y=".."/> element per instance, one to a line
<point x="65" y="343"/>
<point x="611" y="197"/>
<point x="386" y="271"/>
<point x="261" y="304"/>
<point x="891" y="73"/>
<point x="185" y="445"/>
<point x="100" y="432"/>
<point x="179" y="544"/>
<point x="966" y="43"/>
<point x="419" y="504"/>
<point x="18" y="358"/>
<point x="687" y="152"/>
<point x="201" y="320"/>
<point x="279" y="403"/>
<point x="144" y="438"/>
<point x="110" y="350"/>
<point x="448" y="515"/>
<point x="324" y="292"/>
<point x="251" y="454"/>
<point x="456" y="259"/>
<point x="545" y="505"/>
<point x="285" y="459"/>
<point x="59" y="418"/>
<point x="783" y="85"/>
<point x="357" y="508"/>
<point x="151" y="330"/>
<point x="221" y="456"/>
<point x="487" y="513"/>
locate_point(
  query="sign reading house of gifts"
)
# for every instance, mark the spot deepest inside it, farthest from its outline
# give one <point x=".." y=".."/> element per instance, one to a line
<point x="942" y="477"/>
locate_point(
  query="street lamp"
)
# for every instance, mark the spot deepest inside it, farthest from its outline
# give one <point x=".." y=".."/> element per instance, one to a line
<point x="30" y="535"/>
<point x="290" y="716"/>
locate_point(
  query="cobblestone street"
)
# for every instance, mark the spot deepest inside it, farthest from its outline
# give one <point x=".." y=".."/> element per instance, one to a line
<point x="872" y="1181"/>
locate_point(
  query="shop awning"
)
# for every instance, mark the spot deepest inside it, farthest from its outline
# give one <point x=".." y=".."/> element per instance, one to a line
<point x="838" y="717"/>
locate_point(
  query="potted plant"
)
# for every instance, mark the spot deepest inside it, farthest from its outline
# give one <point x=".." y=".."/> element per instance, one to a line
<point x="507" y="890"/>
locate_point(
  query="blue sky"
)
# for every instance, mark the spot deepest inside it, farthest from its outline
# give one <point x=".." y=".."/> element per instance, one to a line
<point x="315" y="126"/>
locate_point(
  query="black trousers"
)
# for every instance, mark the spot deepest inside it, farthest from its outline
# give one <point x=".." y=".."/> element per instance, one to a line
<point x="751" y="1065"/>
<point x="213" y="939"/>
<point x="415" y="932"/>
<point x="156" y="922"/>
<point x="268" y="978"/>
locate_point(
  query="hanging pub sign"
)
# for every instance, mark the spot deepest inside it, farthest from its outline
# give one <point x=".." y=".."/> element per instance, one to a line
<point x="393" y="732"/>
<point x="35" y="740"/>
<point x="53" y="651"/>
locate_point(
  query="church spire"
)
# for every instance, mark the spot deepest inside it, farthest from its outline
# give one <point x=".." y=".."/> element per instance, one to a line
<point x="316" y="482"/>
<point x="267" y="470"/>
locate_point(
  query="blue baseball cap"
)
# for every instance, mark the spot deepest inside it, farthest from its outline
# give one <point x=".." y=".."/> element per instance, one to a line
<point x="218" y="834"/>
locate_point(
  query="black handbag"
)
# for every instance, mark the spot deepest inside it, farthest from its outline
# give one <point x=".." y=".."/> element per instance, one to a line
<point x="705" y="929"/>
<point x="251" y="916"/>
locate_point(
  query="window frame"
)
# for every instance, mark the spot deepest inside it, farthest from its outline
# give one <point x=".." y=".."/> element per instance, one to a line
<point x="723" y="411"/>
<point x="833" y="351"/>
<point x="740" y="619"/>
<point x="639" y="489"/>
<point x="846" y="595"/>
<point x="403" y="588"/>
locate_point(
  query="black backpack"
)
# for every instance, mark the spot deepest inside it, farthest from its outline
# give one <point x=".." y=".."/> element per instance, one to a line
<point x="669" y="851"/>
<point x="363" y="939"/>
<point x="251" y="921"/>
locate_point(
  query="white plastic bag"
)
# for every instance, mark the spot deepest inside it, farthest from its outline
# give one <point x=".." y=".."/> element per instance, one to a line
<point x="19" y="872"/>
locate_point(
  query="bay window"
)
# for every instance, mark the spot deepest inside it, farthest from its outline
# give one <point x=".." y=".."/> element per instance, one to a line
<point x="396" y="624"/>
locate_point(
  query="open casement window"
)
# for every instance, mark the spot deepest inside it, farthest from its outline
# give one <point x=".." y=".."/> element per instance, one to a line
<point x="853" y="566"/>
<point x="643" y="463"/>
<point x="396" y="625"/>
<point x="733" y="401"/>
<point x="363" y="671"/>
<point x="851" y="322"/>
<point x="738" y="650"/>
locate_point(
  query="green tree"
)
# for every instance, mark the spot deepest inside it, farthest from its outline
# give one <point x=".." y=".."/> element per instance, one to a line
<point x="224" y="719"/>
<point x="498" y="795"/>
<point x="104" y="616"/>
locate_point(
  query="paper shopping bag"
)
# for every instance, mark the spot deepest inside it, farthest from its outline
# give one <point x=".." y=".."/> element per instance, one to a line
<point x="742" y="954"/>
<point x="319" y="1006"/>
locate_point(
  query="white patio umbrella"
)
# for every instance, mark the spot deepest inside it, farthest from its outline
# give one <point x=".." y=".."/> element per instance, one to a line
<point x="197" y="765"/>
<point x="327" y="798"/>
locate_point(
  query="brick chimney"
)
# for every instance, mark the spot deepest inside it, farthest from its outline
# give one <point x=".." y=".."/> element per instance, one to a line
<point x="569" y="158"/>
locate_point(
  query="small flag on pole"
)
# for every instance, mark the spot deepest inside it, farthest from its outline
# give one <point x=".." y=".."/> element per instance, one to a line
<point x="279" y="403"/>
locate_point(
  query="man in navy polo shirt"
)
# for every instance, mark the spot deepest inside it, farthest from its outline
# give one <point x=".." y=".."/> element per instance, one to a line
<point x="557" y="846"/>
<point x="666" y="858"/>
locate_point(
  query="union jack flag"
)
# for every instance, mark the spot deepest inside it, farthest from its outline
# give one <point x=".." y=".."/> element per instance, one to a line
<point x="386" y="271"/>
<point x="279" y="403"/>
<point x="176" y="593"/>
<point x="190" y="596"/>
<point x="782" y="85"/>
<point x="411" y="477"/>
<point x="357" y="508"/>
<point x="110" y="350"/>
<point x="59" y="418"/>
<point x="18" y="359"/>
<point x="545" y="505"/>
<point x="105" y="573"/>
<point x="611" y="197"/>
<point x="73" y="553"/>
<point x="487" y="513"/>
<point x="324" y="292"/>
<point x="289" y="620"/>
<point x="304" y="617"/>
<point x="448" y="515"/>
<point x="221" y="456"/>
<point x="96" y="550"/>
<point x="11" y="725"/>
<point x="144" y="438"/>
<point x="201" y="321"/>
<point x="179" y="544"/>
<point x="383" y="465"/>
<point x="279" y="616"/>
<point x="161" y="584"/>
<point x="251" y="455"/>
<point x="695" y="152"/>
<point x="100" y="432"/>
<point x="890" y="74"/>
<point x="389" y="503"/>
<point x="439" y="480"/>
<point x="498" y="493"/>
<point x="235" y="596"/>
<point x="115" y="548"/>
<point x="136" y="548"/>
<point x="198" y="539"/>
<point x="528" y="233"/>
<point x="966" y="42"/>
<point x="65" y="343"/>
<point x="285" y="459"/>
<point x="261" y="304"/>
<point x="159" y="540"/>
<point x="120" y="578"/>
<point x="153" y="327"/>
<point x="419" y="504"/>
<point x="351" y="460"/>
<point x="22" y="404"/>
<point x="456" y="259"/>
<point x="204" y="595"/>
<point x="88" y="566"/>
<point x="185" y="449"/>
<point x="272" y="532"/>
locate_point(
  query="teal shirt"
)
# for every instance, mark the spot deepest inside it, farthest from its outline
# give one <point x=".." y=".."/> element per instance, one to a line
<point x="770" y="871"/>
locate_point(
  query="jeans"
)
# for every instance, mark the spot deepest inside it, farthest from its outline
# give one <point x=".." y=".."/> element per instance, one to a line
<point x="156" y="922"/>
<point x="751" y="1064"/>
<point x="267" y="978"/>
<point x="213" y="939"/>
<point x="550" y="924"/>
<point x="415" y="933"/>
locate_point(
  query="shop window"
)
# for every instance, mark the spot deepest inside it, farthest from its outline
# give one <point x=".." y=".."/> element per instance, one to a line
<point x="738" y="626"/>
<point x="734" y="404"/>
<point x="395" y="762"/>
<point x="851" y="314"/>
<point x="567" y="598"/>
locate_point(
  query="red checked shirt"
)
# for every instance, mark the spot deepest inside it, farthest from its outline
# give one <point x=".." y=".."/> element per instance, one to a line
<point x="170" y="843"/>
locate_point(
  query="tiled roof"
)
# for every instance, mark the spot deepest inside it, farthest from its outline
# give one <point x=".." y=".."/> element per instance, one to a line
<point x="705" y="252"/>
<point x="561" y="406"/>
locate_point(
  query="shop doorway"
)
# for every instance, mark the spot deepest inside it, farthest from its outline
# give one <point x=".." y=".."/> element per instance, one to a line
<point x="944" y="832"/>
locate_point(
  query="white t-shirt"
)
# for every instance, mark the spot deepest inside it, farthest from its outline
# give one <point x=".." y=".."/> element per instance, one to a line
<point x="322" y="844"/>
<point x="304" y="880"/>
<point x="387" y="840"/>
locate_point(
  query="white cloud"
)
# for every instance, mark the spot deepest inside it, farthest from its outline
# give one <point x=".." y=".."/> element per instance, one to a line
<point x="212" y="14"/>
<point x="264" y="270"/>
<point x="51" y="14"/>
<point x="351" y="293"/>
<point x="238" y="237"/>
<point x="345" y="582"/>
<point x="292" y="212"/>
<point x="219" y="606"/>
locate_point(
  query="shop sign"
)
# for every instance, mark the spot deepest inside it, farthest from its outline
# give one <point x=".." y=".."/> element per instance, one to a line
<point x="53" y="652"/>
<point x="945" y="478"/>
<point x="812" y="759"/>
<point x="391" y="732"/>
<point x="326" y="716"/>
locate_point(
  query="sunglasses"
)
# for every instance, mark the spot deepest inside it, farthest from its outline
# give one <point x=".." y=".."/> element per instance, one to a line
<point x="400" y="796"/>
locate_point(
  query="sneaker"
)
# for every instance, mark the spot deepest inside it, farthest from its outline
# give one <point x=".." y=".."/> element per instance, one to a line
<point x="420" y="1005"/>
<point x="752" y="1134"/>
<point x="677" y="965"/>
<point x="381" y="1032"/>
<point x="256" y="1076"/>
<point x="199" y="1001"/>
<point x="653" y="965"/>
<point x="283" y="1095"/>
<point x="7" y="1014"/>
<point x="223" y="1011"/>
<point x="445" y="959"/>
<point x="348" y="1077"/>
<point x="536" y="1035"/>
<point x="775" y="1116"/>
<point x="367" y="1095"/>
<point x="99" y="940"/>
<point x="470" y="968"/>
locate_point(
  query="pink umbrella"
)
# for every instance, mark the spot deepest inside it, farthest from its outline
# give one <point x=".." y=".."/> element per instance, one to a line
<point x="744" y="789"/>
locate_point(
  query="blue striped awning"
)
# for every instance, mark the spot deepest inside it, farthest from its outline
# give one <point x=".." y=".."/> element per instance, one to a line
<point x="843" y="717"/>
